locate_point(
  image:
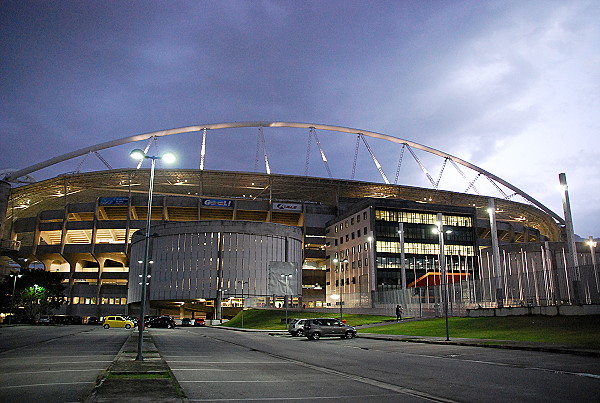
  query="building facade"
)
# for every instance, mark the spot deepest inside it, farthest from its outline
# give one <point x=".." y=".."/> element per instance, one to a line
<point x="83" y="226"/>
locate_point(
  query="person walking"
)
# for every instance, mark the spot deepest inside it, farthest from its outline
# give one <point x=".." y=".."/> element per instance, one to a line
<point x="398" y="313"/>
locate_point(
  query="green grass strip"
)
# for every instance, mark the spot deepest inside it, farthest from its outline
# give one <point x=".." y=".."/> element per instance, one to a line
<point x="583" y="331"/>
<point x="272" y="319"/>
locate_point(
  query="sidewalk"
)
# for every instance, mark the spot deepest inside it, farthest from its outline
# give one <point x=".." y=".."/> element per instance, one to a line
<point x="126" y="379"/>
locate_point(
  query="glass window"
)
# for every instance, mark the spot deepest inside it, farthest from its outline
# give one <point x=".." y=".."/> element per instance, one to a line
<point x="358" y="218"/>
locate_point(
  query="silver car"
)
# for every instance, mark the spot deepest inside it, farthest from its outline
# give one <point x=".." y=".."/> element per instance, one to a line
<point x="296" y="327"/>
<point x="314" y="329"/>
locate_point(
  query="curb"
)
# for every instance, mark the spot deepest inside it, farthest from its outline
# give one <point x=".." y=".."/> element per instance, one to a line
<point x="488" y="343"/>
<point x="150" y="380"/>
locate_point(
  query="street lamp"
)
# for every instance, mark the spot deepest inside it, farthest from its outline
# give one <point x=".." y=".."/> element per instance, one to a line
<point x="286" y="277"/>
<point x="439" y="230"/>
<point x="242" y="283"/>
<point x="12" y="298"/>
<point x="168" y="158"/>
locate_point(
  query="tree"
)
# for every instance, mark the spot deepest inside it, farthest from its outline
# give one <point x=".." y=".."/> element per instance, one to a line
<point x="37" y="291"/>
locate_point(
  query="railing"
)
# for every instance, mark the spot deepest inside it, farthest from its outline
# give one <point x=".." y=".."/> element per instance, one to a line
<point x="10" y="244"/>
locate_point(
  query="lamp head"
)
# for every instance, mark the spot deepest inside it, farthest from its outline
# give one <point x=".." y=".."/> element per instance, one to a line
<point x="169" y="158"/>
<point x="137" y="154"/>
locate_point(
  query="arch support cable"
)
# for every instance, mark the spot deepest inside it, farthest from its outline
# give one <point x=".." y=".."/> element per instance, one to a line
<point x="355" y="156"/>
<point x="471" y="184"/>
<point x="310" y="133"/>
<point x="260" y="143"/>
<point x="377" y="164"/>
<point x="323" y="157"/>
<point x="399" y="164"/>
<point x="422" y="167"/>
<point x="203" y="149"/>
<point x="81" y="163"/>
<point x="102" y="159"/>
<point x="439" y="179"/>
<point x="497" y="187"/>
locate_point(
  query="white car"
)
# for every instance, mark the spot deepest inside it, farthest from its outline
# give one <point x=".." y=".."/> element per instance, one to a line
<point x="296" y="327"/>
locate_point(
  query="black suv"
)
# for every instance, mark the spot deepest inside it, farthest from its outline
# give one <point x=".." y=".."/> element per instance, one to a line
<point x="314" y="329"/>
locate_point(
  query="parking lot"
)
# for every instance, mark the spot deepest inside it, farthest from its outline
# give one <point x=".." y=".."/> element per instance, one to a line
<point x="54" y="363"/>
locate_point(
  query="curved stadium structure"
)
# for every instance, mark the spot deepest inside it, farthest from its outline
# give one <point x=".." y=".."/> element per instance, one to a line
<point x="228" y="236"/>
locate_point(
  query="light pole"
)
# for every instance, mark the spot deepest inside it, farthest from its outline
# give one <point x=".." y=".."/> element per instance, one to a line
<point x="571" y="248"/>
<point x="168" y="158"/>
<point x="242" y="283"/>
<point x="340" y="269"/>
<point x="286" y="277"/>
<point x="402" y="255"/>
<point x="439" y="230"/>
<point x="12" y="298"/>
<point x="592" y="244"/>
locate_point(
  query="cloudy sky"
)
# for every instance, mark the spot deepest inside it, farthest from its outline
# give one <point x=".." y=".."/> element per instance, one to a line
<point x="510" y="86"/>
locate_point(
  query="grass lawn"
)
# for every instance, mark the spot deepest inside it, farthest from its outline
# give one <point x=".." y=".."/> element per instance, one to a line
<point x="274" y="319"/>
<point x="583" y="331"/>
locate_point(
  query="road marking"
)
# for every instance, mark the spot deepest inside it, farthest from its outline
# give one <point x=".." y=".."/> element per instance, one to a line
<point x="498" y="364"/>
<point x="209" y="369"/>
<point x="357" y="378"/>
<point x="52" y="371"/>
<point x="231" y="362"/>
<point x="45" y="384"/>
<point x="273" y="381"/>
<point x="73" y="362"/>
<point x="305" y="398"/>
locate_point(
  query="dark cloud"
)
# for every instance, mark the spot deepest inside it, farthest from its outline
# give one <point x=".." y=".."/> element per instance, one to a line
<point x="457" y="76"/>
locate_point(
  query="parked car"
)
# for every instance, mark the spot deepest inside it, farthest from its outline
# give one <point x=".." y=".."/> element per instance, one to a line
<point x="44" y="320"/>
<point x="93" y="320"/>
<point x="296" y="327"/>
<point x="186" y="322"/>
<point x="117" y="321"/>
<point x="162" y="321"/>
<point x="199" y="322"/>
<point x="314" y="329"/>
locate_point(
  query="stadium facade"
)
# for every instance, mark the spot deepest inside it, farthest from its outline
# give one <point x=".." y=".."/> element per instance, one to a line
<point x="233" y="238"/>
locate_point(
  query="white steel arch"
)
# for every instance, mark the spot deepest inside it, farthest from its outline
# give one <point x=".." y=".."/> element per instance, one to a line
<point x="214" y="126"/>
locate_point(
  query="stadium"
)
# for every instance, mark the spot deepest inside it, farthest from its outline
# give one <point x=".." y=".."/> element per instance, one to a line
<point x="221" y="240"/>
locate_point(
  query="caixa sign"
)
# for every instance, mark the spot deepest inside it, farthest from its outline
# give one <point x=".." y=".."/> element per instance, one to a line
<point x="287" y="206"/>
<point x="217" y="203"/>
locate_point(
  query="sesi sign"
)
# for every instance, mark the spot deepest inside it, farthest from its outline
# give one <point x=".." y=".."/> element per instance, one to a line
<point x="287" y="206"/>
<point x="217" y="203"/>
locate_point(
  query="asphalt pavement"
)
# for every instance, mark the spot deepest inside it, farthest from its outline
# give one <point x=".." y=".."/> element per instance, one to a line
<point x="151" y="380"/>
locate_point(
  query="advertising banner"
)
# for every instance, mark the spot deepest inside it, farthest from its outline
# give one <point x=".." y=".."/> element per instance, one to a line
<point x="217" y="203"/>
<point x="113" y="201"/>
<point x="287" y="206"/>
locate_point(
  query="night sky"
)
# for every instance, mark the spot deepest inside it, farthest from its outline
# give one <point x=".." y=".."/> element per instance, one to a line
<point x="510" y="86"/>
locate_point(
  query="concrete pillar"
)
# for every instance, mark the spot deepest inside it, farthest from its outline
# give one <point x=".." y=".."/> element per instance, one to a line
<point x="4" y="196"/>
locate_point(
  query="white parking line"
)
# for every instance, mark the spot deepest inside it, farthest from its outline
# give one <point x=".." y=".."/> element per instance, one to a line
<point x="45" y="384"/>
<point x="53" y="371"/>
<point x="305" y="398"/>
